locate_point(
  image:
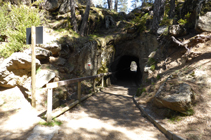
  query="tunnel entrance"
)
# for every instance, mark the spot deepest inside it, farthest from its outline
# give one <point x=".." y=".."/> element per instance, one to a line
<point x="127" y="70"/>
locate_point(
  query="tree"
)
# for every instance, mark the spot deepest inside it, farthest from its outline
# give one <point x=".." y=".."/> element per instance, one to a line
<point x="116" y="5"/>
<point x="85" y="18"/>
<point x="172" y="9"/>
<point x="109" y="4"/>
<point x="158" y="14"/>
<point x="73" y="18"/>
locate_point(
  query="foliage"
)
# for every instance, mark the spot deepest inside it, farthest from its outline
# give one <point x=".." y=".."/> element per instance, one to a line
<point x="166" y="21"/>
<point x="142" y="25"/>
<point x="151" y="61"/>
<point x="184" y="21"/>
<point x="14" y="23"/>
<point x="152" y="67"/>
<point x="189" y="112"/>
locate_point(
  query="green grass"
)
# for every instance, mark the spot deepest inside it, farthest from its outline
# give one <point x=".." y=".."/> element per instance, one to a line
<point x="14" y="24"/>
<point x="54" y="122"/>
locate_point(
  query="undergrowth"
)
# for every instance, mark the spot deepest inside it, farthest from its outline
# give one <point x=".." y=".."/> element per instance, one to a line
<point x="14" y="23"/>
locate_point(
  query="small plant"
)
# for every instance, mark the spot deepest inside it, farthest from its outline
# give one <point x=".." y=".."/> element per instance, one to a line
<point x="52" y="123"/>
<point x="166" y="21"/>
<point x="158" y="77"/>
<point x="182" y="21"/>
<point x="151" y="61"/>
<point x="189" y="112"/>
<point x="175" y="119"/>
<point x="152" y="67"/>
<point x="140" y="91"/>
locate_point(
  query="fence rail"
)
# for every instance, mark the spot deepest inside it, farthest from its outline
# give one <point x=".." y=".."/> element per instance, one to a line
<point x="52" y="85"/>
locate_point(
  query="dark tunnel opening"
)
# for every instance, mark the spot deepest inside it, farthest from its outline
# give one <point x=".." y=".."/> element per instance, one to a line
<point x="127" y="70"/>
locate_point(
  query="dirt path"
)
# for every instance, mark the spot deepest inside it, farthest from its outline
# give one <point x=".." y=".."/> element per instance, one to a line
<point x="109" y="115"/>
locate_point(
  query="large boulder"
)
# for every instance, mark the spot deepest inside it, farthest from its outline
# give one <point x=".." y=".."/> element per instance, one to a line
<point x="42" y="78"/>
<point x="52" y="5"/>
<point x="204" y="22"/>
<point x="177" y="97"/>
<point x="162" y="29"/>
<point x="176" y="30"/>
<point x="41" y="53"/>
<point x="15" y="69"/>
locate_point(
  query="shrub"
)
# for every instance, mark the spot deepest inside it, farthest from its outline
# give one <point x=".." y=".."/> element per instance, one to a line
<point x="140" y="91"/>
<point x="14" y="26"/>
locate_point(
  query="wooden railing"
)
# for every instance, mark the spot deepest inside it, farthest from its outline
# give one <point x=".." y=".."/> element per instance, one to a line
<point x="52" y="85"/>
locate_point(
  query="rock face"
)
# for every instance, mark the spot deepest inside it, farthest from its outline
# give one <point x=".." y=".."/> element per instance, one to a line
<point x="59" y="61"/>
<point x="177" y="97"/>
<point x="109" y="21"/>
<point x="15" y="69"/>
<point x="176" y="30"/>
<point x="204" y="22"/>
<point x="54" y="48"/>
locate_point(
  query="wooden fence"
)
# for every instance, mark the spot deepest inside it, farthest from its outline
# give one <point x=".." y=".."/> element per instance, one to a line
<point x="52" y="85"/>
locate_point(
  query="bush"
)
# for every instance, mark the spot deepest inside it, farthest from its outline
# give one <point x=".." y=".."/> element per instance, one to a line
<point x="14" y="23"/>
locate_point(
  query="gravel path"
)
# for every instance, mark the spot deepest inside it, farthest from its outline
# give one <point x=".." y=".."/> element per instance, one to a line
<point x="109" y="115"/>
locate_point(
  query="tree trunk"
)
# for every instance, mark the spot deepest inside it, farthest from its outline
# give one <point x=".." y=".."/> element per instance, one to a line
<point x="116" y="5"/>
<point x="158" y="14"/>
<point x="73" y="18"/>
<point x="109" y="4"/>
<point x="85" y="18"/>
<point x="172" y="9"/>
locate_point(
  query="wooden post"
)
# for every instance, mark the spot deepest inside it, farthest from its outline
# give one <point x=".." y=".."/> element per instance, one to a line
<point x="94" y="85"/>
<point x="49" y="105"/>
<point x="79" y="91"/>
<point x="102" y="81"/>
<point x="33" y="72"/>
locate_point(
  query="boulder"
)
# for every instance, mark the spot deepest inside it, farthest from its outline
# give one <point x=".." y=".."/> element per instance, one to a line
<point x="52" y="5"/>
<point x="15" y="69"/>
<point x="41" y="54"/>
<point x="175" y="97"/>
<point x="162" y="29"/>
<point x="42" y="78"/>
<point x="176" y="30"/>
<point x="204" y="22"/>
<point x="59" y="61"/>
